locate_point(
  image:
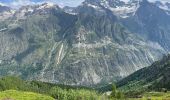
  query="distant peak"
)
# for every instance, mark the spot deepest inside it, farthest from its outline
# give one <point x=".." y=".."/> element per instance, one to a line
<point x="4" y="8"/>
<point x="48" y="4"/>
<point x="45" y="5"/>
<point x="121" y="8"/>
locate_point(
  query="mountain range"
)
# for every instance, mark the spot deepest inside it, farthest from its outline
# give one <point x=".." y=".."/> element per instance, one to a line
<point x="98" y="42"/>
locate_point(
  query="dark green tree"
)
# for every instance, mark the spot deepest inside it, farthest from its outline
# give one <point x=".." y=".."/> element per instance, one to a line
<point x="119" y="95"/>
<point x="113" y="94"/>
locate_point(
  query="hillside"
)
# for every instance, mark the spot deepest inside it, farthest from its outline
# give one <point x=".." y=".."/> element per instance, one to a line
<point x="154" y="77"/>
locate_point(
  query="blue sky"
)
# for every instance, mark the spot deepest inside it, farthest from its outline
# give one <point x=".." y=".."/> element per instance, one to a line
<point x="16" y="3"/>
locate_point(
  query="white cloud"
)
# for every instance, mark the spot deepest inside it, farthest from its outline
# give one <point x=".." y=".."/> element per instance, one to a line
<point x="2" y="4"/>
<point x="18" y="3"/>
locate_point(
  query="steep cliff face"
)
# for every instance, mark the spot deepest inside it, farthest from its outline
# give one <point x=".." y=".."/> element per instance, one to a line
<point x="87" y="47"/>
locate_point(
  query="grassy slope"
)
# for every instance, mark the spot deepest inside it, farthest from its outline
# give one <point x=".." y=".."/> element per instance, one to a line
<point x="20" y="95"/>
<point x="146" y="81"/>
<point x="61" y="92"/>
<point x="154" y="77"/>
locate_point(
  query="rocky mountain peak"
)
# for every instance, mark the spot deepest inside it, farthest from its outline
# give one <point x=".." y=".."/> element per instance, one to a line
<point x="40" y="6"/>
<point x="47" y="5"/>
<point x="163" y="5"/>
<point x="35" y="9"/>
<point x="4" y="9"/>
<point x="121" y="8"/>
<point x="5" y="12"/>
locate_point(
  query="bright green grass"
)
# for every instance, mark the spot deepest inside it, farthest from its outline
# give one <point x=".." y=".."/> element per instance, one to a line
<point x="154" y="96"/>
<point x="19" y="95"/>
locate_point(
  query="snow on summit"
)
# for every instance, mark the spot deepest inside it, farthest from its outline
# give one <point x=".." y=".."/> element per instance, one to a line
<point x="125" y="8"/>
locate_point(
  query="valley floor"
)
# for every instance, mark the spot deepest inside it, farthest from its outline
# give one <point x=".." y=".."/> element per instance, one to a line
<point x="153" y="96"/>
<point x="20" y="95"/>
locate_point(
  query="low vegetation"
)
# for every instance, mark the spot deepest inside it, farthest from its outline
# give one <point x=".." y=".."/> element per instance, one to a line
<point x="59" y="92"/>
<point x="13" y="88"/>
<point x="153" y="96"/>
<point x="20" y="95"/>
<point x="150" y="83"/>
<point x="116" y="94"/>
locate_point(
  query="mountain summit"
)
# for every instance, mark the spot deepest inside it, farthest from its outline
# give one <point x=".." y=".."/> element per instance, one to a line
<point x="4" y="9"/>
<point x="5" y="12"/>
<point x="119" y="7"/>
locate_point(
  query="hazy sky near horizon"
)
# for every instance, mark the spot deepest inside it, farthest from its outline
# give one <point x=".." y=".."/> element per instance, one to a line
<point x="16" y="3"/>
<point x="72" y="3"/>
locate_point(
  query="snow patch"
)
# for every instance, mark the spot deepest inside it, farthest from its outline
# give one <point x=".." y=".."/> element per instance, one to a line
<point x="60" y="53"/>
<point x="93" y="6"/>
<point x="46" y="5"/>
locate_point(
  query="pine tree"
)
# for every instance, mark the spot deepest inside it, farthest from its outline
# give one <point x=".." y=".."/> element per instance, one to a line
<point x="113" y="94"/>
<point x="119" y="95"/>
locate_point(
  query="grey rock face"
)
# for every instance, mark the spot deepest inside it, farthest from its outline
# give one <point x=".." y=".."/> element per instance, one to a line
<point x="150" y="22"/>
<point x="88" y="48"/>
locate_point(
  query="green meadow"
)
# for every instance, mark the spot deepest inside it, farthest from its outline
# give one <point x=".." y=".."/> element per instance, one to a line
<point x="20" y="95"/>
<point x="153" y="96"/>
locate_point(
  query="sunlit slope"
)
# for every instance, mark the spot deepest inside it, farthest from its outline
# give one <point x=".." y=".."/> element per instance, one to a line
<point x="19" y="95"/>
